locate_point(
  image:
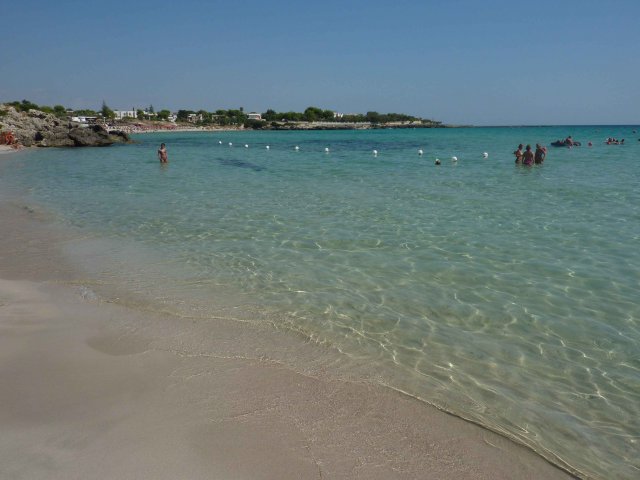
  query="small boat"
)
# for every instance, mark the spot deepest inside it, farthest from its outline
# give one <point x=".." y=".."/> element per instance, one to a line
<point x="564" y="143"/>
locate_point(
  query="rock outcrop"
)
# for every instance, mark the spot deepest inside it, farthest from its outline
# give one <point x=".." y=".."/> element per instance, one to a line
<point x="39" y="129"/>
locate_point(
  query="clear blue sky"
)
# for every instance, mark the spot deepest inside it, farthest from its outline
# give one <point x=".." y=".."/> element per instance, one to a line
<point x="492" y="62"/>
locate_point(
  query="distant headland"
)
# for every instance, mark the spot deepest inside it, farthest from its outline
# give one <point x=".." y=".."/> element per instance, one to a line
<point x="27" y="124"/>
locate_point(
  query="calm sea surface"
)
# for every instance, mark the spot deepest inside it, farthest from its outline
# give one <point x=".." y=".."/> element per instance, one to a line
<point x="507" y="295"/>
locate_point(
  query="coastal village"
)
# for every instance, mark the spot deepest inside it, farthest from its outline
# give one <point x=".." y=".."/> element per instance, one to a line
<point x="28" y="124"/>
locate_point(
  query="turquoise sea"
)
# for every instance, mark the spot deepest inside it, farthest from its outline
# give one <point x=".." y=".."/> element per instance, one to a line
<point x="507" y="295"/>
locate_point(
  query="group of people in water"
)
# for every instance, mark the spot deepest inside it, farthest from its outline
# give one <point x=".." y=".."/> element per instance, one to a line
<point x="614" y="141"/>
<point x="529" y="157"/>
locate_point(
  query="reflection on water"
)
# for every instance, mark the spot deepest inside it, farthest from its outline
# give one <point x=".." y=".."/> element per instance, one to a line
<point x="505" y="295"/>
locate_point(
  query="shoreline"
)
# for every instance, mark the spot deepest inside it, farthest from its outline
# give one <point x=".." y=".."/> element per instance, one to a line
<point x="6" y="149"/>
<point x="281" y="127"/>
<point x="89" y="382"/>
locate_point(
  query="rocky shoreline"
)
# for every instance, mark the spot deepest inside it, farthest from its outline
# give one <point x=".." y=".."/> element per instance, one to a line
<point x="38" y="129"/>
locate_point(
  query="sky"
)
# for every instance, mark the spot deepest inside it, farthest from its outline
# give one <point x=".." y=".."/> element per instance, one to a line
<point x="491" y="62"/>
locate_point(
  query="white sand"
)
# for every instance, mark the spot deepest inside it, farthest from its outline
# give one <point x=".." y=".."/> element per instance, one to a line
<point x="92" y="390"/>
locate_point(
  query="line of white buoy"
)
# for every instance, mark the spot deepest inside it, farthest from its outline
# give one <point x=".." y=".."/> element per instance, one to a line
<point x="375" y="152"/>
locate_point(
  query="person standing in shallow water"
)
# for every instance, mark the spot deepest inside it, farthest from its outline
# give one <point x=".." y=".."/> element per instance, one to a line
<point x="528" y="156"/>
<point x="541" y="152"/>
<point x="162" y="154"/>
<point x="518" y="154"/>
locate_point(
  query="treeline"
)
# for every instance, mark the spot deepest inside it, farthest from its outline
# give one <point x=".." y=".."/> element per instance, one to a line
<point x="234" y="117"/>
<point x="273" y="118"/>
<point x="26" y="105"/>
<point x="314" y="114"/>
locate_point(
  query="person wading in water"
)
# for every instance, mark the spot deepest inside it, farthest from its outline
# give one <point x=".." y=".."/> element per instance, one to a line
<point x="162" y="154"/>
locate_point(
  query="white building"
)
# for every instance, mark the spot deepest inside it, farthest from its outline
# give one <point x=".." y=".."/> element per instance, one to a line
<point x="195" y="117"/>
<point x="120" y="114"/>
<point x="254" y="116"/>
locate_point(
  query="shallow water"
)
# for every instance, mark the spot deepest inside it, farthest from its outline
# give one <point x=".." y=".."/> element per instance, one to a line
<point x="503" y="294"/>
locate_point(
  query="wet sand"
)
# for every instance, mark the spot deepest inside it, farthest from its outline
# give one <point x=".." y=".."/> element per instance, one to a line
<point x="92" y="389"/>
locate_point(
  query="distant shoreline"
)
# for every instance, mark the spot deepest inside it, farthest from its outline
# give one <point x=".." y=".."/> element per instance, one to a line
<point x="281" y="126"/>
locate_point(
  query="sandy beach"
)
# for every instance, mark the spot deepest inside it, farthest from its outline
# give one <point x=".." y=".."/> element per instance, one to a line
<point x="91" y="389"/>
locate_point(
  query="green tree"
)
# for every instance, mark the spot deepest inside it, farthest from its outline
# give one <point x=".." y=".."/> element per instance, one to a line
<point x="59" y="111"/>
<point x="373" y="117"/>
<point x="236" y="117"/>
<point x="163" y="115"/>
<point x="206" y="116"/>
<point x="24" y="106"/>
<point x="106" y="111"/>
<point x="270" y="115"/>
<point x="328" y="116"/>
<point x="86" y="113"/>
<point x="311" y="114"/>
<point x="183" y="115"/>
<point x="255" y="124"/>
<point x="291" y="116"/>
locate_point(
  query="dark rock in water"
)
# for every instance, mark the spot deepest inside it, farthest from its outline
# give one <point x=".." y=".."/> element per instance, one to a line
<point x="36" y="128"/>
<point x="241" y="164"/>
<point x="91" y="136"/>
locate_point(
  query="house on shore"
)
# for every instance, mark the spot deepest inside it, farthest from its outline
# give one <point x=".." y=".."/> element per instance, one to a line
<point x="195" y="117"/>
<point x="120" y="114"/>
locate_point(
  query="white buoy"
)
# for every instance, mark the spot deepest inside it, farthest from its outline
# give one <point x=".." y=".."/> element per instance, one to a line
<point x="246" y="146"/>
<point x="420" y="152"/>
<point x="296" y="148"/>
<point x="326" y="149"/>
<point x="230" y="144"/>
<point x="454" y="159"/>
<point x="220" y="142"/>
<point x="267" y="147"/>
<point x="485" y="155"/>
<point x="375" y="153"/>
